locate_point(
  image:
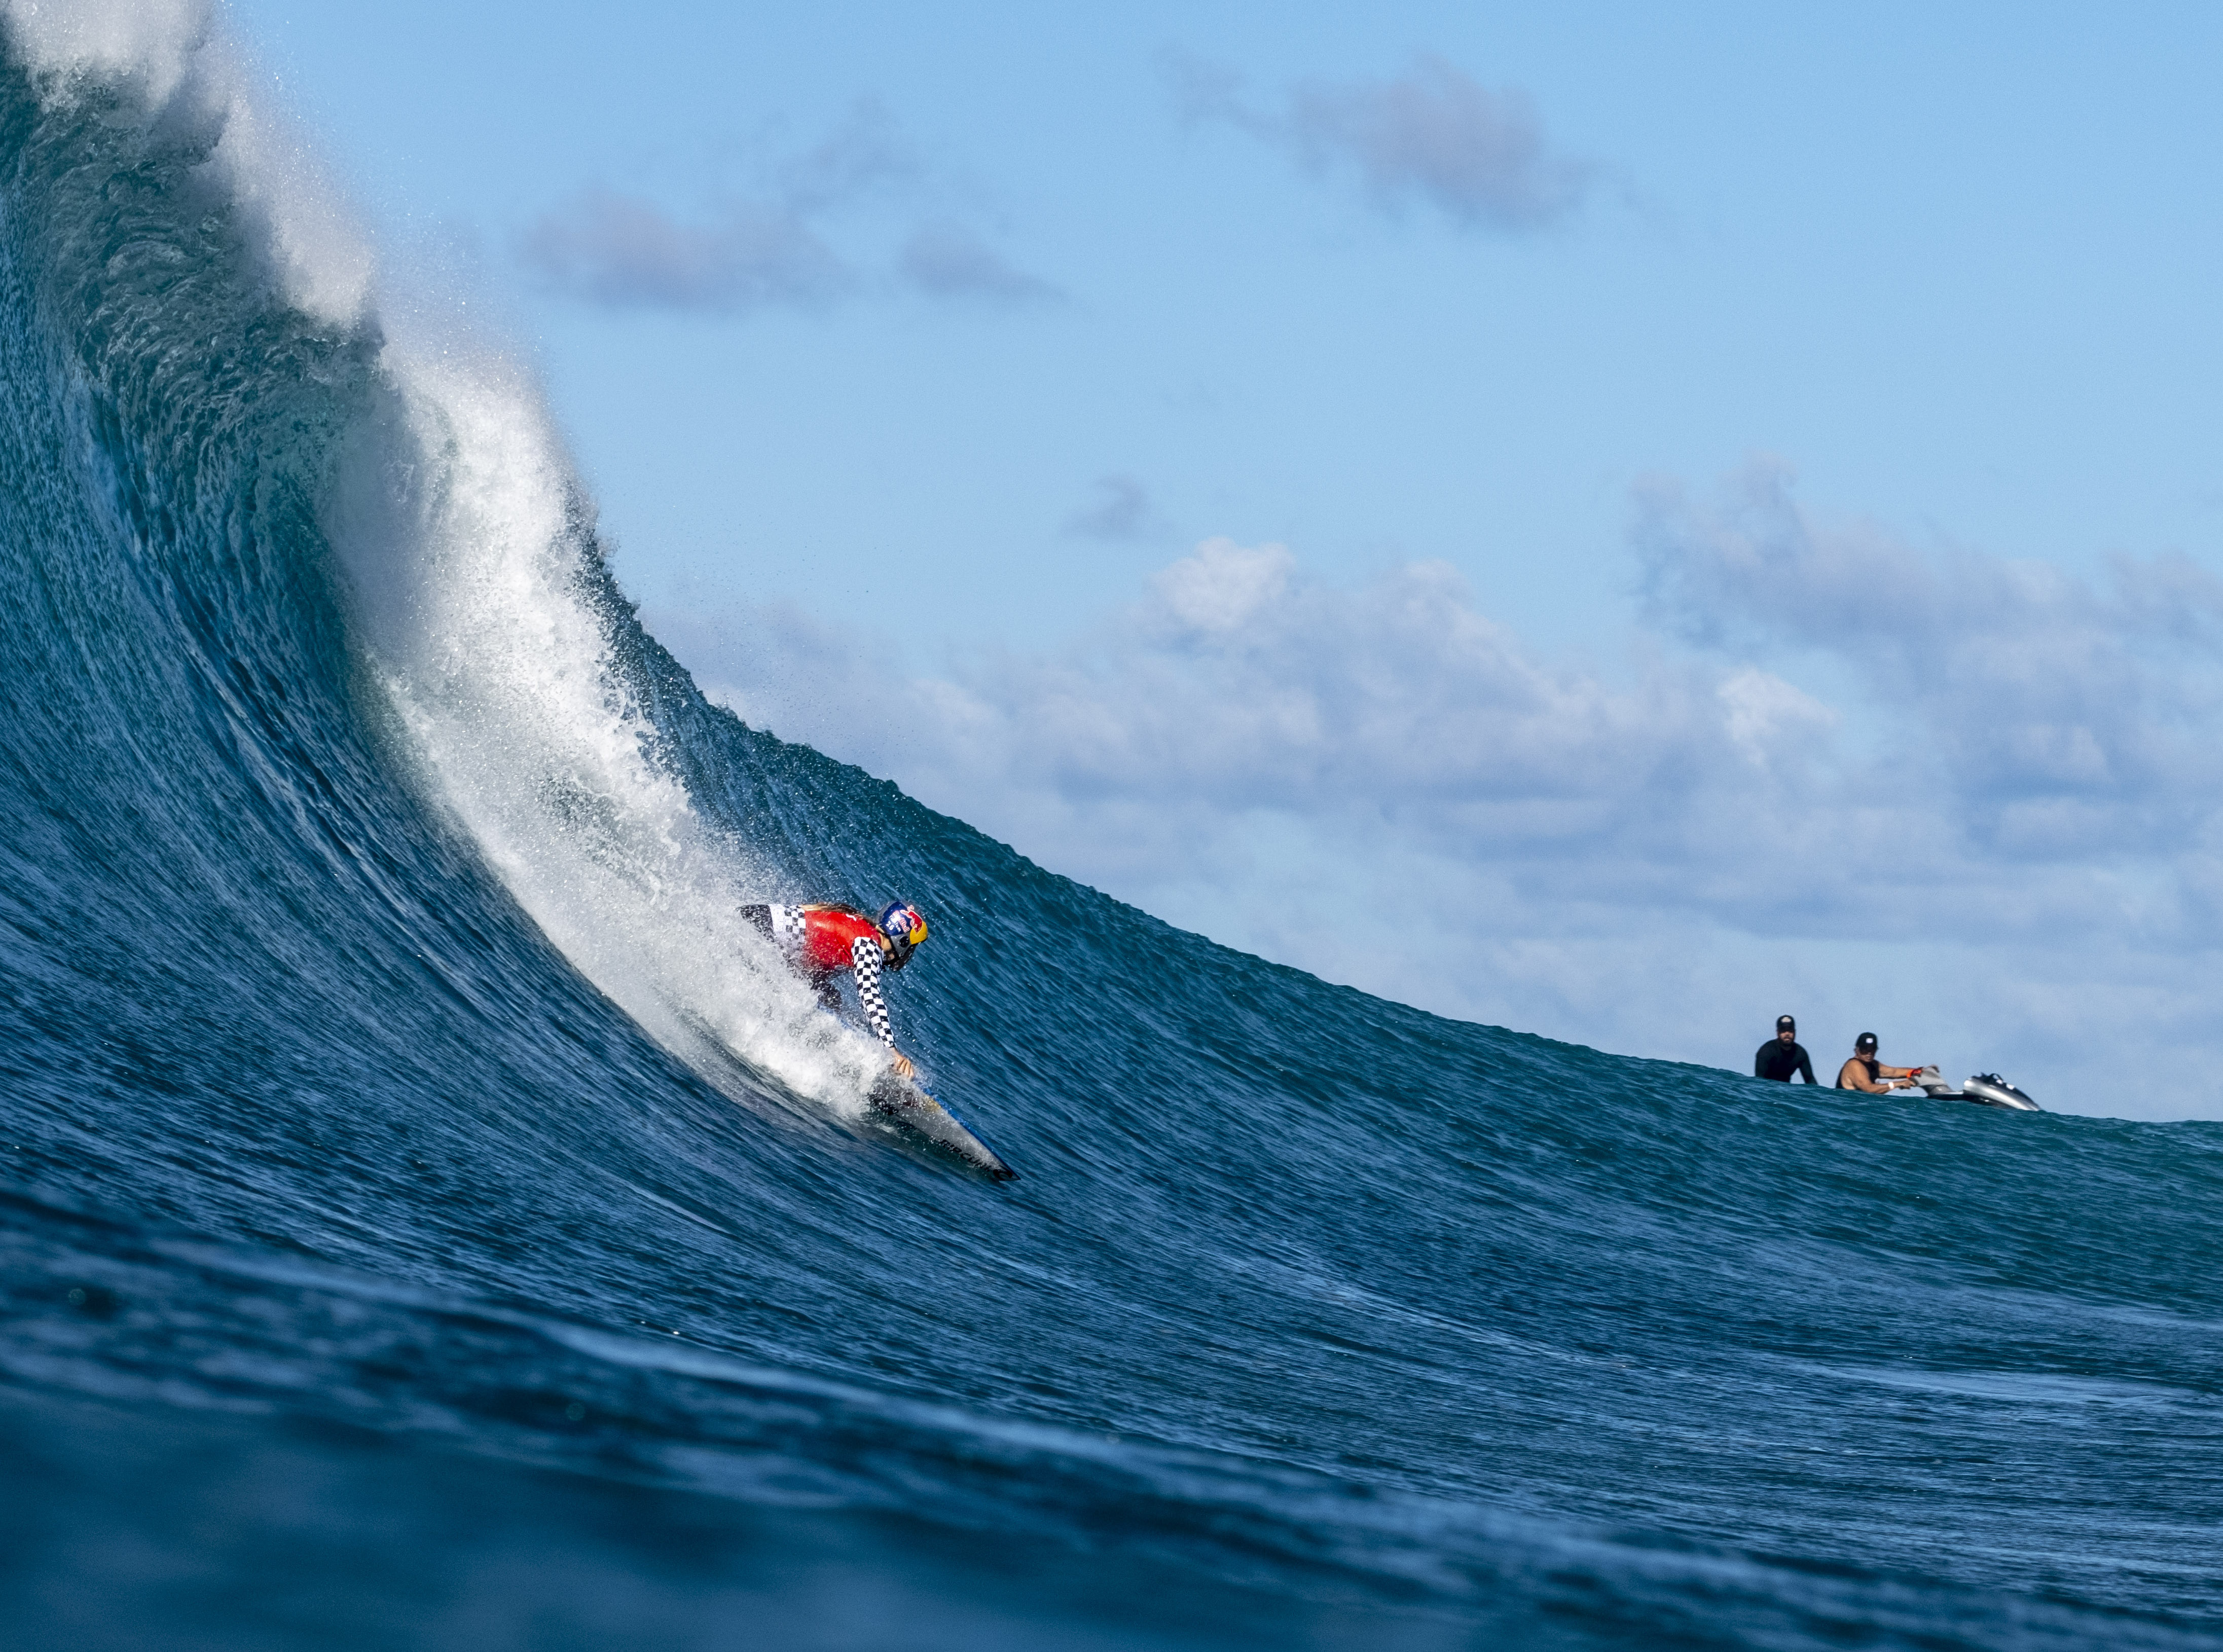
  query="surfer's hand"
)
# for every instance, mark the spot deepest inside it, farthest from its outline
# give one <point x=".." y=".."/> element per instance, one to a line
<point x="904" y="1069"/>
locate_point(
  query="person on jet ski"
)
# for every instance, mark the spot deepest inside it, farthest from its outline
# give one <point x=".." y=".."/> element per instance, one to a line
<point x="821" y="941"/>
<point x="1865" y="1072"/>
<point x="1783" y="1055"/>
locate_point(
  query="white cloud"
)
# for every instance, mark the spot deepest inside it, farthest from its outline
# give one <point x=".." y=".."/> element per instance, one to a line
<point x="1123" y="511"/>
<point x="772" y="247"/>
<point x="1433" y="135"/>
<point x="2062" y="718"/>
<point x="948" y="260"/>
<point x="626" y="253"/>
<point x="1765" y="715"/>
<point x="2021" y="861"/>
<point x="861" y="156"/>
<point x="1223" y="586"/>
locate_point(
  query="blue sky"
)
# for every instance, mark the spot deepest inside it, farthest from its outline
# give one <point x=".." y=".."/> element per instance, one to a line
<point x="1955" y="268"/>
<point x="1721" y="501"/>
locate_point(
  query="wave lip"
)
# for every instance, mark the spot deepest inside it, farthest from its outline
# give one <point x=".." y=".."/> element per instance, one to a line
<point x="479" y="601"/>
<point x="168" y="58"/>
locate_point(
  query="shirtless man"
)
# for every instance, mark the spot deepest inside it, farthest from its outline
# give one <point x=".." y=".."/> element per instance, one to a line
<point x="1865" y="1072"/>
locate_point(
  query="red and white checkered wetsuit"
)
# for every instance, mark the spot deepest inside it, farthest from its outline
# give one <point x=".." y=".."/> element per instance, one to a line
<point x="821" y="942"/>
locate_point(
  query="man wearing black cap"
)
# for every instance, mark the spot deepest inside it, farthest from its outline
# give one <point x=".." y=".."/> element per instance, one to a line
<point x="1783" y="1055"/>
<point x="1865" y="1072"/>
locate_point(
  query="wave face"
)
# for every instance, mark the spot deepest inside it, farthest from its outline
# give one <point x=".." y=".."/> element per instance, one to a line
<point x="430" y="1219"/>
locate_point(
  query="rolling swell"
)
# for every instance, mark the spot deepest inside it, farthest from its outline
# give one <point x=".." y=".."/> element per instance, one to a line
<point x="425" y="1218"/>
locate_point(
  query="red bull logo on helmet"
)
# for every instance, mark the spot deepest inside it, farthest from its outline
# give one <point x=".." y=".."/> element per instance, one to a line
<point x="903" y="924"/>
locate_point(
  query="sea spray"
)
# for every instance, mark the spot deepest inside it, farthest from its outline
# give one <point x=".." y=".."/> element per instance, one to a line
<point x="474" y="564"/>
<point x="490" y="632"/>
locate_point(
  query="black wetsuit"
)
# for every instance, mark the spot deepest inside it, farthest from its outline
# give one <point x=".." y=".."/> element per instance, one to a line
<point x="1778" y="1060"/>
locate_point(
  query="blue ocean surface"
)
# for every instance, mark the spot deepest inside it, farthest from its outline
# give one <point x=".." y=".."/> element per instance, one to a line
<point x="430" y="1218"/>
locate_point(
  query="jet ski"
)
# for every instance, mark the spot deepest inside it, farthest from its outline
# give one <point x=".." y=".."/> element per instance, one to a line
<point x="1984" y="1089"/>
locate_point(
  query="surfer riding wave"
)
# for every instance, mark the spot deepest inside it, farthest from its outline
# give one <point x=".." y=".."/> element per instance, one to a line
<point x="821" y="941"/>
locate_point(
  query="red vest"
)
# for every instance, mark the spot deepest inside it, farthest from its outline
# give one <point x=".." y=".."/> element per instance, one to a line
<point x="830" y="931"/>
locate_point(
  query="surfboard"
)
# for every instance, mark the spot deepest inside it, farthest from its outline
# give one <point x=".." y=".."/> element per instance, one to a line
<point x="908" y="1105"/>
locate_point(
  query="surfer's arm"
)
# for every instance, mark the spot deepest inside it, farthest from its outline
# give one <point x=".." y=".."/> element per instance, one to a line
<point x="865" y="959"/>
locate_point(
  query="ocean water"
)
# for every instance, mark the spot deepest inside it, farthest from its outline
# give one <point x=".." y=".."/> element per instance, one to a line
<point x="428" y="1218"/>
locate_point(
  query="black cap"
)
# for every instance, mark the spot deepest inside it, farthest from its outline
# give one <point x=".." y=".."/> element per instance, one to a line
<point x="1866" y="1041"/>
<point x="1783" y="1021"/>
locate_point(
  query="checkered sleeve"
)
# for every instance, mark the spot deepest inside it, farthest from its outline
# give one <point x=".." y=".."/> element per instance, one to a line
<point x="865" y="955"/>
<point x="787" y="927"/>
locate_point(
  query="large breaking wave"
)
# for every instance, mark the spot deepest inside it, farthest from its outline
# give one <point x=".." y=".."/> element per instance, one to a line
<point x="427" y="1209"/>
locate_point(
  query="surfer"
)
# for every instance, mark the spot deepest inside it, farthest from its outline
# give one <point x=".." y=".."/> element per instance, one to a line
<point x="1865" y="1072"/>
<point x="1783" y="1055"/>
<point x="821" y="941"/>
